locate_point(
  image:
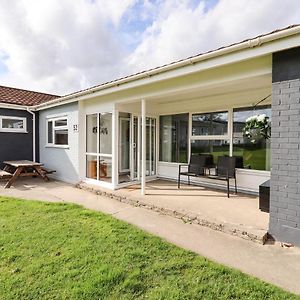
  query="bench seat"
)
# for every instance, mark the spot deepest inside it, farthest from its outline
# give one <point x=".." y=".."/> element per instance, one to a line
<point x="4" y="174"/>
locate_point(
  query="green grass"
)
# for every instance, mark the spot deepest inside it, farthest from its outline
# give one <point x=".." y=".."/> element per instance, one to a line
<point x="62" y="251"/>
<point x="255" y="158"/>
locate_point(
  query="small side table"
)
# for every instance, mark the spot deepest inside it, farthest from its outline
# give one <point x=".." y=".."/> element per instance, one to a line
<point x="264" y="196"/>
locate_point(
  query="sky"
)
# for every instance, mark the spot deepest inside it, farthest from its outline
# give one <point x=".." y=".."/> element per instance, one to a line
<point x="62" y="46"/>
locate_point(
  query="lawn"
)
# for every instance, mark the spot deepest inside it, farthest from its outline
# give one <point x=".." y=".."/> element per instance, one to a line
<point x="62" y="251"/>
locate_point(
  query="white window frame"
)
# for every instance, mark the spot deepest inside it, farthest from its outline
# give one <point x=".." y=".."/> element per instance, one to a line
<point x="14" y="130"/>
<point x="54" y="128"/>
<point x="210" y="137"/>
<point x="228" y="137"/>
<point x="99" y="154"/>
<point x="158" y="139"/>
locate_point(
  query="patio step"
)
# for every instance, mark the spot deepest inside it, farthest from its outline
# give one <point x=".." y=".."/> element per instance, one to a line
<point x="239" y="230"/>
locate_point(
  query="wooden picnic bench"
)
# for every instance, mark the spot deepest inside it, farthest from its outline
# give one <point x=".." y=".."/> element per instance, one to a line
<point x="4" y="174"/>
<point x="23" y="168"/>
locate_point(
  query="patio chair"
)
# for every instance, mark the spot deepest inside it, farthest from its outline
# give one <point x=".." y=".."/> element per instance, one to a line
<point x="225" y="170"/>
<point x="239" y="161"/>
<point x="196" y="167"/>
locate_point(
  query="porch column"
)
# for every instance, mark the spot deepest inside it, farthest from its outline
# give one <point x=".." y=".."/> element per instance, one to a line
<point x="115" y="147"/>
<point x="285" y="146"/>
<point x="143" y="144"/>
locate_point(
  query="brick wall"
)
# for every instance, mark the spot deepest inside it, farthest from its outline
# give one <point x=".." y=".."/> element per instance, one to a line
<point x="285" y="145"/>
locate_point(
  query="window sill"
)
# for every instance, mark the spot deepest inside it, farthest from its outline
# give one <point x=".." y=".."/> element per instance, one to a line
<point x="12" y="131"/>
<point x="58" y="146"/>
<point x="171" y="163"/>
<point x="239" y="170"/>
<point x="253" y="172"/>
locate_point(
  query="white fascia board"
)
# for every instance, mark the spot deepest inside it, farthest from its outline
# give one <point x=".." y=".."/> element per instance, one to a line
<point x="13" y="106"/>
<point x="246" y="50"/>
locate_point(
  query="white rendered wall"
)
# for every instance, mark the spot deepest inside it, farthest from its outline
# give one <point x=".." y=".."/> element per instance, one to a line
<point x="64" y="160"/>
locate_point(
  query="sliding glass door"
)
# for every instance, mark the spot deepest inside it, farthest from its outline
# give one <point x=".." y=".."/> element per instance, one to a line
<point x="150" y="146"/>
<point x="130" y="147"/>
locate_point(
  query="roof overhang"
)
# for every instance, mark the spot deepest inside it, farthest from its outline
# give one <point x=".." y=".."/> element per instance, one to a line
<point x="252" y="48"/>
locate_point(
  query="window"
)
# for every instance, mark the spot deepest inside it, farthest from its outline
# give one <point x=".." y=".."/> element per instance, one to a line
<point x="215" y="123"/>
<point x="12" y="124"/>
<point x="105" y="133"/>
<point x="99" y="146"/>
<point x="210" y="134"/>
<point x="215" y="147"/>
<point x="174" y="138"/>
<point x="57" y="132"/>
<point x="255" y="155"/>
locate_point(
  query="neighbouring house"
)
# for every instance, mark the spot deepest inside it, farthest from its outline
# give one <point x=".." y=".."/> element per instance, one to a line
<point x="19" y="130"/>
<point x="143" y="126"/>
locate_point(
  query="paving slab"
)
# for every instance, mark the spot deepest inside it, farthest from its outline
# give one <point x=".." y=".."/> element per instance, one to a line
<point x="272" y="263"/>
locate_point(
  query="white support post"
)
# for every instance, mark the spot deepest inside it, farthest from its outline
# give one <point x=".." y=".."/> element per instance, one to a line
<point x="150" y="146"/>
<point x="139" y="148"/>
<point x="98" y="147"/>
<point x="190" y="129"/>
<point x="143" y="165"/>
<point x="115" y="147"/>
<point x="131" y="147"/>
<point x="230" y="130"/>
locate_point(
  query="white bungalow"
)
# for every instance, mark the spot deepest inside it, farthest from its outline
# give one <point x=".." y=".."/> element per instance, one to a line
<point x="141" y="127"/>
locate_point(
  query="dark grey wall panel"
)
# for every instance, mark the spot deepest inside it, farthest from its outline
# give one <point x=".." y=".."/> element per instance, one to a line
<point x="16" y="146"/>
<point x="285" y="146"/>
<point x="286" y="65"/>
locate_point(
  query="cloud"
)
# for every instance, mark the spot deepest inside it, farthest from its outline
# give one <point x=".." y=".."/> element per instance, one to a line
<point x="61" y="46"/>
<point x="180" y="31"/>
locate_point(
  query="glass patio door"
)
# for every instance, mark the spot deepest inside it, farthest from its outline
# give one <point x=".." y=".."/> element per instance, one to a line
<point x="130" y="148"/>
<point x="136" y="141"/>
<point x="150" y="147"/>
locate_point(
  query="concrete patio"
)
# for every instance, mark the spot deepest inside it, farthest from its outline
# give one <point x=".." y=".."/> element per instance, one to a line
<point x="238" y="215"/>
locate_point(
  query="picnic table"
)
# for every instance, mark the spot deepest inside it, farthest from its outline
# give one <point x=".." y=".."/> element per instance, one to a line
<point x="23" y="168"/>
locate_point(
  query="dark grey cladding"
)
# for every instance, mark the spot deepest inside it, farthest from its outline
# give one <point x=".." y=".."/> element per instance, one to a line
<point x="17" y="146"/>
<point x="286" y="65"/>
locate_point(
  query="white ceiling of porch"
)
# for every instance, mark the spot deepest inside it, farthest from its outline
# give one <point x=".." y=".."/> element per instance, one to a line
<point x="216" y="96"/>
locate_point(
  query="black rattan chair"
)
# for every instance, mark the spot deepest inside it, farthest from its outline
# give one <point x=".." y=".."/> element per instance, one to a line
<point x="225" y="170"/>
<point x="196" y="167"/>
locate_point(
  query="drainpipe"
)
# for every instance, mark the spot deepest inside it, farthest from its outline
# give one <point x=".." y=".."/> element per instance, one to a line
<point x="33" y="133"/>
